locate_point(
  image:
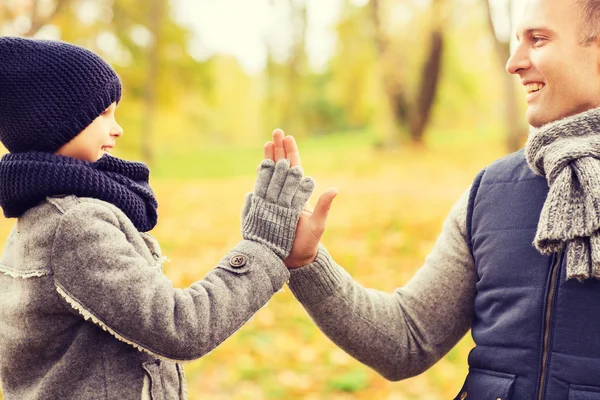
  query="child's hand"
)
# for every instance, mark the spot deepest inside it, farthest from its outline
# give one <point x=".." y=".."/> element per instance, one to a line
<point x="271" y="213"/>
<point x="312" y="222"/>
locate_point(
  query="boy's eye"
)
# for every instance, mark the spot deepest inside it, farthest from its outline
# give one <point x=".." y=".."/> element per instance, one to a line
<point x="110" y="109"/>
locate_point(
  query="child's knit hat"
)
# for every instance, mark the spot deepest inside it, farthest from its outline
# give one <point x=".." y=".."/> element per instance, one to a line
<point x="50" y="91"/>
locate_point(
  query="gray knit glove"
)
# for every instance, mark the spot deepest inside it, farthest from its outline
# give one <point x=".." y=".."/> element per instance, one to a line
<point x="271" y="213"/>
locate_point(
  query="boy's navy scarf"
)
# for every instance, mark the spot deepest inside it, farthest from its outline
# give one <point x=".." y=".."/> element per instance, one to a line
<point x="28" y="178"/>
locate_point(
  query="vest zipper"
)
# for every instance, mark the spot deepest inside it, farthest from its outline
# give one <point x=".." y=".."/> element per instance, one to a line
<point x="549" y="304"/>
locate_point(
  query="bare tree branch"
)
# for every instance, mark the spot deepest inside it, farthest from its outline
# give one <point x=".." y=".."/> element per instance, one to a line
<point x="34" y="19"/>
<point x="502" y="48"/>
<point x="8" y="12"/>
<point x="380" y="39"/>
<point x="38" y="22"/>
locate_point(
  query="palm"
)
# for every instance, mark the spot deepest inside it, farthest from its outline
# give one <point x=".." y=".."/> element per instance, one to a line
<point x="311" y="225"/>
<point x="306" y="242"/>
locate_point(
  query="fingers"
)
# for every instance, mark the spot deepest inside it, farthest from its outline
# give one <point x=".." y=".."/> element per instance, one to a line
<point x="290" y="186"/>
<point x="265" y="172"/>
<point x="269" y="151"/>
<point x="282" y="147"/>
<point x="304" y="191"/>
<point x="291" y="151"/>
<point x="319" y="216"/>
<point x="278" y="149"/>
<point x="281" y="184"/>
<point x="277" y="181"/>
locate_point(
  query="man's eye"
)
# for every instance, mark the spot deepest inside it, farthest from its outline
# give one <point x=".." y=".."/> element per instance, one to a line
<point x="538" y="39"/>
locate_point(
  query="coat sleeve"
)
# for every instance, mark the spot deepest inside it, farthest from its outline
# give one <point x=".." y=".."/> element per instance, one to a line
<point x="403" y="333"/>
<point x="100" y="275"/>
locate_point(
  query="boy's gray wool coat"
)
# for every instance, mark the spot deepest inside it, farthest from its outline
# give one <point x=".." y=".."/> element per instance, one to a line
<point x="87" y="313"/>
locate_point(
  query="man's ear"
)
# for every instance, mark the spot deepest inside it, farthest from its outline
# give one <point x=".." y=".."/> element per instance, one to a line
<point x="595" y="44"/>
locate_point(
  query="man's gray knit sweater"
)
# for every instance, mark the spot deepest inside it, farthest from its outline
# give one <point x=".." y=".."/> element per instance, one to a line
<point x="401" y="334"/>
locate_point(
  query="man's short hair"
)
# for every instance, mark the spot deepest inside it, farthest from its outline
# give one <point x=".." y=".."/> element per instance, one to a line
<point x="590" y="20"/>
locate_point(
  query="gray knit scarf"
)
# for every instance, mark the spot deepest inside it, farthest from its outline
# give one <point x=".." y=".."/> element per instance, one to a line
<point x="567" y="153"/>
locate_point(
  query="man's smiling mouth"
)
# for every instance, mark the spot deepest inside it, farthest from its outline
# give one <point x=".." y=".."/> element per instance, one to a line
<point x="534" y="87"/>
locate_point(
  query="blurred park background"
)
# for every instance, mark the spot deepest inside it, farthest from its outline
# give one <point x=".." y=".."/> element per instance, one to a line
<point x="398" y="103"/>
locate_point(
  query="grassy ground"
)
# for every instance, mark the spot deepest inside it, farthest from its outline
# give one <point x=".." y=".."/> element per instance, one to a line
<point x="382" y="225"/>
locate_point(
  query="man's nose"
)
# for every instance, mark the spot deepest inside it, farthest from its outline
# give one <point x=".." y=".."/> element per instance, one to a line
<point x="519" y="60"/>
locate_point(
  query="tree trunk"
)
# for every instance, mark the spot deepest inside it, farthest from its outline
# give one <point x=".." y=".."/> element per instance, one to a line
<point x="411" y="115"/>
<point x="429" y="82"/>
<point x="293" y="113"/>
<point x="393" y="85"/>
<point x="156" y="11"/>
<point x="516" y="132"/>
<point x="430" y="76"/>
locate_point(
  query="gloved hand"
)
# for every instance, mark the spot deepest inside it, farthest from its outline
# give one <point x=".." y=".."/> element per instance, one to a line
<point x="271" y="213"/>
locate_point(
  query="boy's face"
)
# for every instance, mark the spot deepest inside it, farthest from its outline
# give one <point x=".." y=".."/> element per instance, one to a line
<point x="97" y="139"/>
<point x="561" y="75"/>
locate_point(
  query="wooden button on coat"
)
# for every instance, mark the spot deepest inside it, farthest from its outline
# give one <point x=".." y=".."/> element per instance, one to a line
<point x="238" y="261"/>
<point x="463" y="395"/>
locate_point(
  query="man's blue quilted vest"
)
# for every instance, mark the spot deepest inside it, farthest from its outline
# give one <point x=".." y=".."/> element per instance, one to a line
<point x="537" y="335"/>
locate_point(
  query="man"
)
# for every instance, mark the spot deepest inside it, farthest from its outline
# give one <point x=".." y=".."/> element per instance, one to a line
<point x="518" y="259"/>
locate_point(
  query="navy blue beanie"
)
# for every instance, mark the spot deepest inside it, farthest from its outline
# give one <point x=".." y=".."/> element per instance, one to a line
<point x="50" y="91"/>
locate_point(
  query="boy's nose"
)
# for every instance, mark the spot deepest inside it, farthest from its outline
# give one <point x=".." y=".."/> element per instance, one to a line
<point x="117" y="131"/>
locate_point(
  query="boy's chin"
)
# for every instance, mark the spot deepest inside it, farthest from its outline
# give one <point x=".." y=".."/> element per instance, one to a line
<point x="100" y="156"/>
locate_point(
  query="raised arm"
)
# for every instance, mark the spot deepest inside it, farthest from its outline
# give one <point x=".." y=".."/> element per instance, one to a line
<point x="399" y="334"/>
<point x="403" y="333"/>
<point x="99" y="274"/>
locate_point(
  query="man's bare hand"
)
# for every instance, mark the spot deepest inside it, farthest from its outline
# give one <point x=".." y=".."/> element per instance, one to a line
<point x="312" y="223"/>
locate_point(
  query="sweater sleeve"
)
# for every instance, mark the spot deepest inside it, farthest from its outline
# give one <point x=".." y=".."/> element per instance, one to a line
<point x="404" y="333"/>
<point x="101" y="276"/>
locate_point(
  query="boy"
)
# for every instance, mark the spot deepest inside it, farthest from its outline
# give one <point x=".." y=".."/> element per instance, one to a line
<point x="85" y="311"/>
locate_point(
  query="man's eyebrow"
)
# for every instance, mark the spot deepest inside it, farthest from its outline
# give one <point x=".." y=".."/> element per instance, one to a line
<point x="529" y="31"/>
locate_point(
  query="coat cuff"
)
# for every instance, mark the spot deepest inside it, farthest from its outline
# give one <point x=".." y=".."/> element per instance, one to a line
<point x="259" y="255"/>
<point x="318" y="280"/>
<point x="272" y="225"/>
